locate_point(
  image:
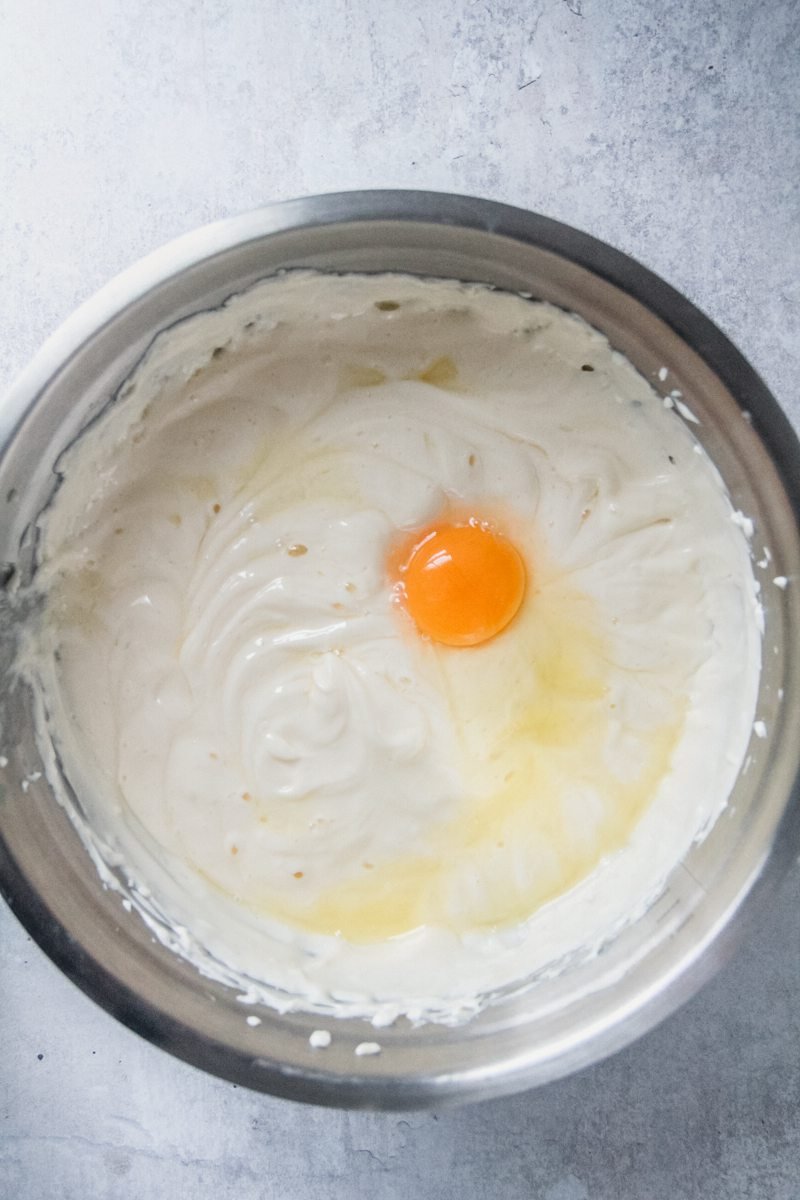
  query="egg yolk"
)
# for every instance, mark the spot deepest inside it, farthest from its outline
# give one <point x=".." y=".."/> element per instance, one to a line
<point x="462" y="583"/>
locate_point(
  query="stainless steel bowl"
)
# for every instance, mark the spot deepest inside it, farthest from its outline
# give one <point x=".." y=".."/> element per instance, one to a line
<point x="593" y="1008"/>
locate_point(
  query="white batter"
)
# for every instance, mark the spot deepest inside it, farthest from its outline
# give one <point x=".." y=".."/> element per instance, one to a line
<point x="308" y="796"/>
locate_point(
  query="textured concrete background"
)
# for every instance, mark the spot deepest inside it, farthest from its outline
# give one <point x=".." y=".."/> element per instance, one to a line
<point x="670" y="130"/>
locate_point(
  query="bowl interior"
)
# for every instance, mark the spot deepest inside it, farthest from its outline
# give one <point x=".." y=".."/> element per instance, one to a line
<point x="595" y="1006"/>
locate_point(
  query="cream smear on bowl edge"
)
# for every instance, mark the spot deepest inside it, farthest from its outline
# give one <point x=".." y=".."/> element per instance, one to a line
<point x="255" y="729"/>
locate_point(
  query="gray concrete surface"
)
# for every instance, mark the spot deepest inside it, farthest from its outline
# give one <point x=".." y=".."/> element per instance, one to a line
<point x="669" y="130"/>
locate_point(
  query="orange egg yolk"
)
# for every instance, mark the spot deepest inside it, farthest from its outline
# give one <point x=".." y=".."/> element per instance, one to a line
<point x="462" y="583"/>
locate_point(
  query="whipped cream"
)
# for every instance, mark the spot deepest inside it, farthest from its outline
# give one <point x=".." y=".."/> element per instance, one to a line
<point x="298" y="792"/>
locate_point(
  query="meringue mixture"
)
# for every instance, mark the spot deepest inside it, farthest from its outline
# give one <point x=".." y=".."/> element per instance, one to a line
<point x="322" y="774"/>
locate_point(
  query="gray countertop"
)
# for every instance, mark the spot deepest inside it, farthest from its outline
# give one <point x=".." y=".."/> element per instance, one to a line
<point x="671" y="131"/>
